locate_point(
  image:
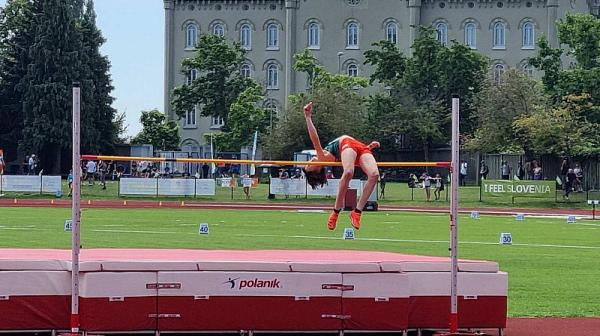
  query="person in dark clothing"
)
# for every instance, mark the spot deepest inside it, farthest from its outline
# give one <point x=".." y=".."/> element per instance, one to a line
<point x="483" y="172"/>
<point x="568" y="185"/>
<point x="205" y="171"/>
<point x="564" y="170"/>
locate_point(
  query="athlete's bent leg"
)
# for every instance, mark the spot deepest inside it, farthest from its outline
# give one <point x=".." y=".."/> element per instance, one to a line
<point x="348" y="159"/>
<point x="369" y="166"/>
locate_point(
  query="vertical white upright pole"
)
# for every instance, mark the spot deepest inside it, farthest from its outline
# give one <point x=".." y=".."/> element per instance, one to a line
<point x="76" y="211"/>
<point x="455" y="170"/>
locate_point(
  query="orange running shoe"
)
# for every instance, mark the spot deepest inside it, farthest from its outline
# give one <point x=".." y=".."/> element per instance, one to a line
<point x="332" y="222"/>
<point x="355" y="218"/>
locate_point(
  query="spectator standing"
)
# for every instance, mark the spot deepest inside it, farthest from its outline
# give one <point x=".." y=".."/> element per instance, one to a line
<point x="439" y="186"/>
<point x="520" y="170"/>
<point x="427" y="185"/>
<point x="569" y="179"/>
<point x="298" y="174"/>
<point x="70" y="182"/>
<point x="32" y="161"/>
<point x="505" y="170"/>
<point x="382" y="182"/>
<point x="483" y="172"/>
<point x="246" y="184"/>
<point x="463" y="173"/>
<point x="529" y="170"/>
<point x="205" y="169"/>
<point x="91" y="172"/>
<point x="134" y="169"/>
<point x="537" y="171"/>
<point x="564" y="170"/>
<point x="102" y="170"/>
<point x="578" y="183"/>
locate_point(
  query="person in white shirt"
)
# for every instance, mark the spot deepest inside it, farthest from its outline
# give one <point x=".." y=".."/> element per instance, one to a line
<point x="463" y="173"/>
<point x="91" y="172"/>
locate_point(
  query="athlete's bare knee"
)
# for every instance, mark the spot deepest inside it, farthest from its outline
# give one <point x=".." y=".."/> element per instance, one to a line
<point x="348" y="173"/>
<point x="373" y="175"/>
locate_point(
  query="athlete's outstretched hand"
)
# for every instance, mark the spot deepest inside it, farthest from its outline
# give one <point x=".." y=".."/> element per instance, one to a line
<point x="308" y="110"/>
<point x="374" y="144"/>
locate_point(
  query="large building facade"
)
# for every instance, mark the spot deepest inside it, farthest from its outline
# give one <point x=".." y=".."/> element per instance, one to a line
<point x="338" y="32"/>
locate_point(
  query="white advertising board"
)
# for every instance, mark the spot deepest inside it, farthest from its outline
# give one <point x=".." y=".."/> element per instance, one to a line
<point x="30" y="183"/>
<point x="205" y="187"/>
<point x="288" y="186"/>
<point x="137" y="186"/>
<point x="172" y="187"/>
<point x="51" y="184"/>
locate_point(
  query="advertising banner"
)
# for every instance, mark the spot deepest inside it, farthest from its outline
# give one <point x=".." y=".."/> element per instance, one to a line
<point x="173" y="187"/>
<point x="226" y="182"/>
<point x="288" y="186"/>
<point x="205" y="187"/>
<point x="527" y="188"/>
<point x="247" y="182"/>
<point x="31" y="183"/>
<point x="138" y="186"/>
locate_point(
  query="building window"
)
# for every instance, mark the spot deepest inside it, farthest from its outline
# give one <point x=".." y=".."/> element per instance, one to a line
<point x="272" y="77"/>
<point x="313" y="36"/>
<point x="499" y="36"/>
<point x="273" y="36"/>
<point x="353" y="35"/>
<point x="442" y="33"/>
<point x="192" y="36"/>
<point x="245" y="36"/>
<point x="528" y="36"/>
<point x="245" y="71"/>
<point x="392" y="32"/>
<point x="529" y="70"/>
<point x="352" y="70"/>
<point x="471" y="35"/>
<point x="190" y="118"/>
<point x="219" y="30"/>
<point x="216" y="122"/>
<point x="192" y="75"/>
<point x="498" y="73"/>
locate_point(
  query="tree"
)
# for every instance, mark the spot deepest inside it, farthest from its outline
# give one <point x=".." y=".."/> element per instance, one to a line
<point x="564" y="130"/>
<point x="16" y="36"/>
<point x="55" y="65"/>
<point x="433" y="73"/>
<point x="218" y="83"/>
<point x="158" y="132"/>
<point x="581" y="35"/>
<point x="102" y="131"/>
<point x="339" y="109"/>
<point x="245" y="118"/>
<point x="498" y="106"/>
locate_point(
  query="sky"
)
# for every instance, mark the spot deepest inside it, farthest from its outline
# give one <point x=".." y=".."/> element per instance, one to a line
<point x="134" y="33"/>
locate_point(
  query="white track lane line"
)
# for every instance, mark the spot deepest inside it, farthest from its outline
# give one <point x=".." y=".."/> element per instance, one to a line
<point x="421" y="241"/>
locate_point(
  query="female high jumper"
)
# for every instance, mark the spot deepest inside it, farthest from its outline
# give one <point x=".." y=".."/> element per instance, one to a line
<point x="350" y="152"/>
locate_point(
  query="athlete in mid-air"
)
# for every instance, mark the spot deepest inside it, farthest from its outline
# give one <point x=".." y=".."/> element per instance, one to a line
<point x="350" y="152"/>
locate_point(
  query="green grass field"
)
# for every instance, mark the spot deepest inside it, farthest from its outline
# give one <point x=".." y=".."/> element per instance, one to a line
<point x="553" y="273"/>
<point x="396" y="194"/>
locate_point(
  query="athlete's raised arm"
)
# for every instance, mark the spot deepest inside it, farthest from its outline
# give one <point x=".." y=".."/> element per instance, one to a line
<point x="312" y="132"/>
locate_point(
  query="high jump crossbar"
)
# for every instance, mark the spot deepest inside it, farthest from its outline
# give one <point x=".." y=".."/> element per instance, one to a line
<point x="259" y="162"/>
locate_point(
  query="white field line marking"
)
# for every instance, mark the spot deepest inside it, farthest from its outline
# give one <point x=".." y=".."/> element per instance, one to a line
<point x="135" y="231"/>
<point x="113" y="225"/>
<point x="421" y="241"/>
<point x="21" y="228"/>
